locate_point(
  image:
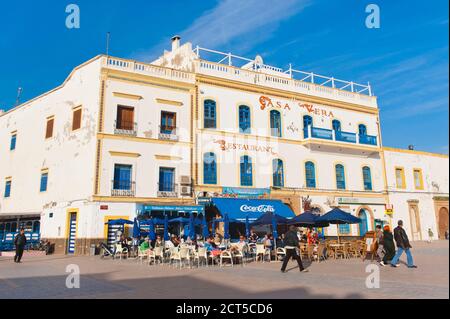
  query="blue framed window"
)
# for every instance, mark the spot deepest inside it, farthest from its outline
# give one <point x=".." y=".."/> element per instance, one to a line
<point x="275" y="123"/>
<point x="209" y="168"/>
<point x="362" y="130"/>
<point x="344" y="229"/>
<point x="310" y="173"/>
<point x="307" y="121"/>
<point x="210" y="114"/>
<point x="340" y="176"/>
<point x="336" y="126"/>
<point x="122" y="177"/>
<point x="246" y="171"/>
<point x="166" y="179"/>
<point x="12" y="145"/>
<point x="44" y="181"/>
<point x="8" y="189"/>
<point x="244" y="119"/>
<point x="367" y="178"/>
<point x="278" y="173"/>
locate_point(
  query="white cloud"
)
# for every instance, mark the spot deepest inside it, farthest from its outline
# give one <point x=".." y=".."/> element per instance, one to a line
<point x="243" y="23"/>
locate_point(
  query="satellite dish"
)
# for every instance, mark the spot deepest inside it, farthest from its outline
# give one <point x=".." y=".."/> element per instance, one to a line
<point x="259" y="60"/>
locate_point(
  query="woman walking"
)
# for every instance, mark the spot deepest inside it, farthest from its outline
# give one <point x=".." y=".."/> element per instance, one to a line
<point x="388" y="246"/>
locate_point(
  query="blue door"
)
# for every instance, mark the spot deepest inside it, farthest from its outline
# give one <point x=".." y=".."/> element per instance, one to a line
<point x="166" y="179"/>
<point x="307" y="121"/>
<point x="363" y="224"/>
<point x="72" y="233"/>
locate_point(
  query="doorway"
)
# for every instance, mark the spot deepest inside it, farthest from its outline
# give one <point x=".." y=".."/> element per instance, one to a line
<point x="363" y="225"/>
<point x="415" y="222"/>
<point x="443" y="222"/>
<point x="72" y="233"/>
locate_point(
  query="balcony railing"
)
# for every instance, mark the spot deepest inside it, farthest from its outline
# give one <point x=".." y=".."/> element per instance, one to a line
<point x="125" y="128"/>
<point x="368" y="140"/>
<point x="123" y="188"/>
<point x="345" y="137"/>
<point x="168" y="133"/>
<point x="338" y="136"/>
<point x="167" y="190"/>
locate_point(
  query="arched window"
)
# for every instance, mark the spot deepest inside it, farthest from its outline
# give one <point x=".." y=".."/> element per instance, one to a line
<point x="307" y="121"/>
<point x="209" y="168"/>
<point x="275" y="123"/>
<point x="340" y="176"/>
<point x="336" y="125"/>
<point x="244" y="119"/>
<point x="246" y="171"/>
<point x="362" y="130"/>
<point x="310" y="173"/>
<point x="367" y="178"/>
<point x="210" y="114"/>
<point x="278" y="173"/>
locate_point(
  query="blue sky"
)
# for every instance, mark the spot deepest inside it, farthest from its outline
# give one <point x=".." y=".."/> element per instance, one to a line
<point x="406" y="60"/>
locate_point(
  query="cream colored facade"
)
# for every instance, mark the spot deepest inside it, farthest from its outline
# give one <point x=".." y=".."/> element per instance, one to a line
<point x="81" y="163"/>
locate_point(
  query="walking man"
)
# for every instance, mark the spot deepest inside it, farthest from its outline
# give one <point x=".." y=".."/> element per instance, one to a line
<point x="291" y="243"/>
<point x="20" y="241"/>
<point x="403" y="245"/>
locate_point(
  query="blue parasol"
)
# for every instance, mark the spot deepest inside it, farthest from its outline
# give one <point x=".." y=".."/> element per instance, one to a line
<point x="151" y="231"/>
<point x="192" y="227"/>
<point x="338" y="216"/>
<point x="205" y="229"/>
<point x="166" y="228"/>
<point x="136" y="229"/>
<point x="226" y="227"/>
<point x="274" y="228"/>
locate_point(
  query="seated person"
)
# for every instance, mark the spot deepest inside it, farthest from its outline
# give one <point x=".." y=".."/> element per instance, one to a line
<point x="253" y="237"/>
<point x="158" y="242"/>
<point x="145" y="246"/>
<point x="218" y="239"/>
<point x="169" y="244"/>
<point x="175" y="240"/>
<point x="239" y="245"/>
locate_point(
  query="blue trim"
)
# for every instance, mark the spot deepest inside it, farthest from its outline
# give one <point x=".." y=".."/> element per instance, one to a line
<point x="340" y="176"/>
<point x="275" y="123"/>
<point x="12" y="145"/>
<point x="367" y="177"/>
<point x="278" y="173"/>
<point x="209" y="168"/>
<point x="44" y="181"/>
<point x="246" y="169"/>
<point x="244" y="119"/>
<point x="209" y="114"/>
<point x="310" y="172"/>
<point x="8" y="189"/>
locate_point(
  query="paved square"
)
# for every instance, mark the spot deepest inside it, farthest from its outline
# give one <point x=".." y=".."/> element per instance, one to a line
<point x="45" y="277"/>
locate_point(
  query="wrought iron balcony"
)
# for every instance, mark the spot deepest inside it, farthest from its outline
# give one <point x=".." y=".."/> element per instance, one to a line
<point x="123" y="188"/>
<point x="125" y="128"/>
<point x="166" y="190"/>
<point x="368" y="140"/>
<point x="345" y="137"/>
<point x="168" y="133"/>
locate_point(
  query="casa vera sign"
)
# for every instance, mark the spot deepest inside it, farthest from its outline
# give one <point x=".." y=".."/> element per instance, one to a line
<point x="267" y="103"/>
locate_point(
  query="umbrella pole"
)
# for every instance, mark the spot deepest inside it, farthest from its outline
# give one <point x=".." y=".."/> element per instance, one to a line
<point x="337" y="229"/>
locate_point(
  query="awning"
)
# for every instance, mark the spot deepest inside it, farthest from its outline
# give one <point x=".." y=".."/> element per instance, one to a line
<point x="238" y="209"/>
<point x="187" y="209"/>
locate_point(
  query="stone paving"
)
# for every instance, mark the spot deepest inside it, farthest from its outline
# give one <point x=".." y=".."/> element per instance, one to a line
<point x="45" y="277"/>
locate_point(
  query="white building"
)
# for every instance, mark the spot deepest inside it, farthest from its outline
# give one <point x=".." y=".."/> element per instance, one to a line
<point x="120" y="136"/>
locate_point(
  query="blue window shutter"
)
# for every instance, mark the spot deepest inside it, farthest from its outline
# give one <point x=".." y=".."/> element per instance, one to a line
<point x="336" y="125"/>
<point x="44" y="181"/>
<point x="307" y="121"/>
<point x="244" y="119"/>
<point x="246" y="168"/>
<point x="340" y="177"/>
<point x="122" y="177"/>
<point x="278" y="173"/>
<point x="209" y="168"/>
<point x="209" y="114"/>
<point x="166" y="179"/>
<point x="367" y="177"/>
<point x="13" y="142"/>
<point x="310" y="173"/>
<point x="275" y="123"/>
<point x="7" y="189"/>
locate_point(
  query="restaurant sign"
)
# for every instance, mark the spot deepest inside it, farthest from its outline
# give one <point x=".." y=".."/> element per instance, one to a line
<point x="226" y="146"/>
<point x="360" y="201"/>
<point x="266" y="102"/>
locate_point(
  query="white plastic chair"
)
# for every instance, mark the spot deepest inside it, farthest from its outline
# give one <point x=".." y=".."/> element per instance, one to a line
<point x="202" y="253"/>
<point x="142" y="255"/>
<point x="261" y="250"/>
<point x="185" y="256"/>
<point x="120" y="251"/>
<point x="226" y="254"/>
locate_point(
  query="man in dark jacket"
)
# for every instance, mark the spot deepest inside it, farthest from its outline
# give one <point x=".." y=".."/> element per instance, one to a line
<point x="403" y="245"/>
<point x="291" y="244"/>
<point x="20" y="241"/>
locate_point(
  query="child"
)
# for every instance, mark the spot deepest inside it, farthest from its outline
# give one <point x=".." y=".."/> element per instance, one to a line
<point x="430" y="235"/>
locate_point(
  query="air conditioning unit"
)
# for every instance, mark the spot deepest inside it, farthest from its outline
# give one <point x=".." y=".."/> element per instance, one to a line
<point x="185" y="180"/>
<point x="186" y="190"/>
